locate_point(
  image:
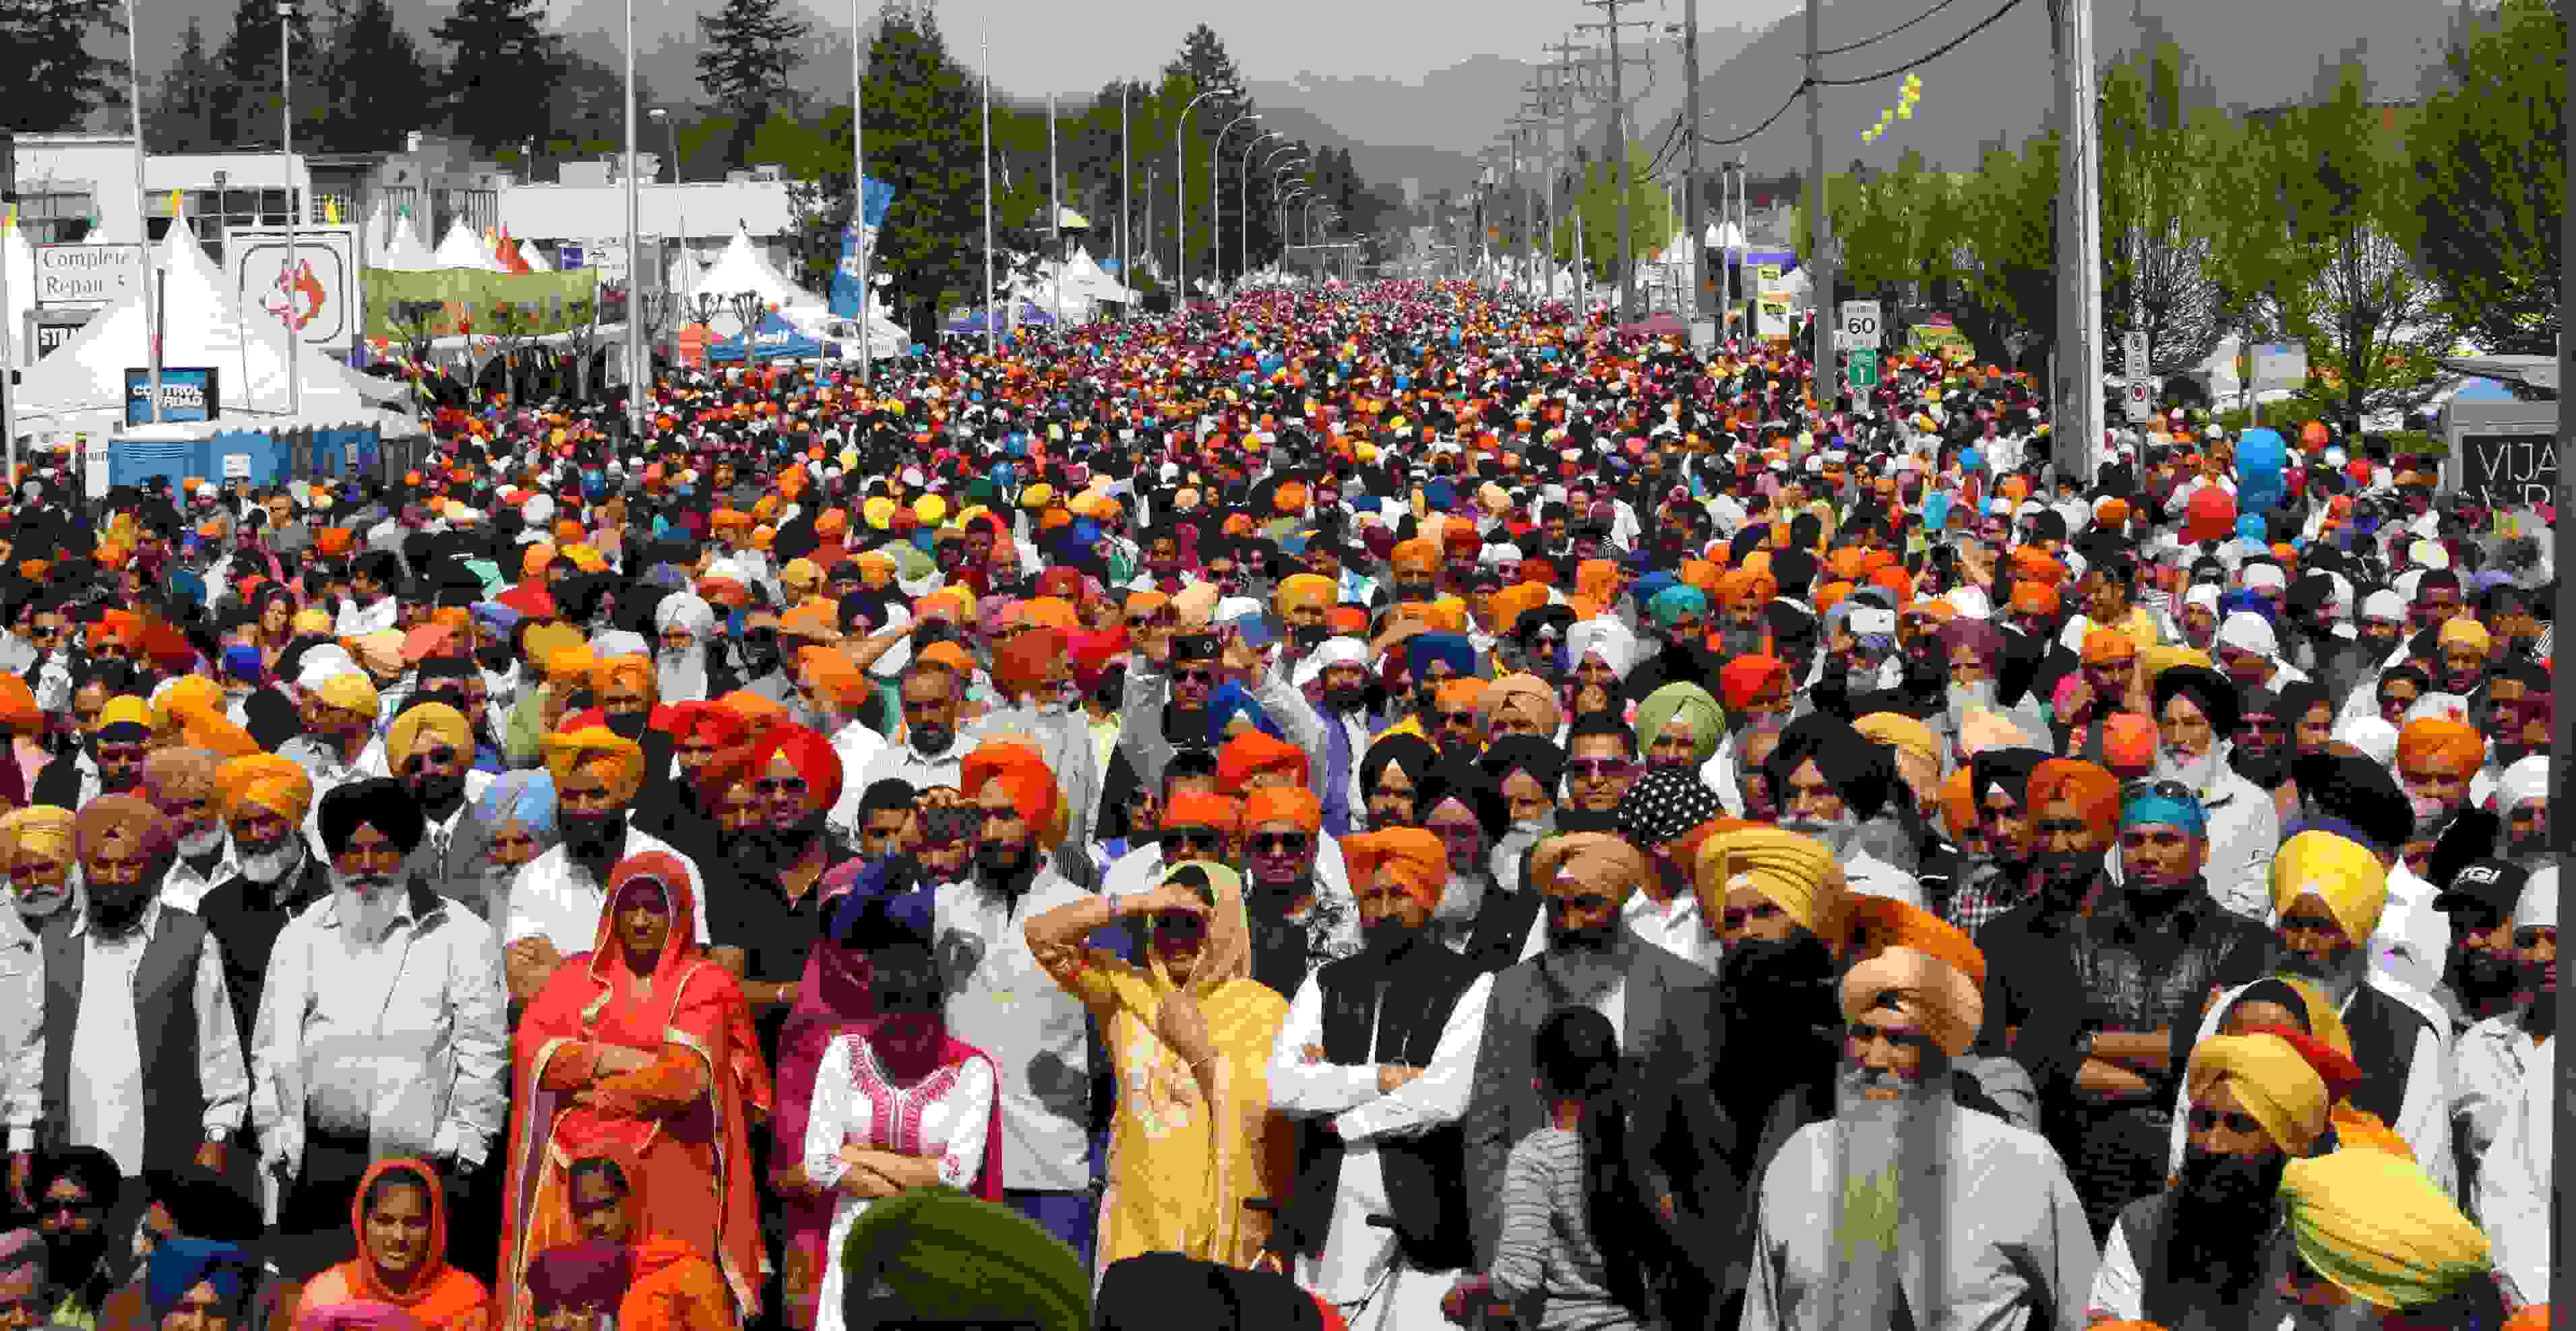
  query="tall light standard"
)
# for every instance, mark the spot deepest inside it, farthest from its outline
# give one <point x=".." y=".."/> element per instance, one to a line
<point x="1289" y="207"/>
<point x="1216" y="215"/>
<point x="1181" y="193"/>
<point x="286" y="160"/>
<point x="143" y="224"/>
<point x="1243" y="206"/>
<point x="638" y="359"/>
<point x="858" y="189"/>
<point x="1243" y="252"/>
<point x="662" y="116"/>
<point x="991" y="337"/>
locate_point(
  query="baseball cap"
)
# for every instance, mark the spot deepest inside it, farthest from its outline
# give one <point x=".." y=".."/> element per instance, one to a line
<point x="2492" y="883"/>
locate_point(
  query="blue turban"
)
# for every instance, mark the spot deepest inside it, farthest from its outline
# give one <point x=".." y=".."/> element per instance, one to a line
<point x="495" y="616"/>
<point x="1440" y="494"/>
<point x="527" y="795"/>
<point x="1229" y="701"/>
<point x="2166" y="802"/>
<point x="1672" y="603"/>
<point x="180" y="1265"/>
<point x="1424" y="648"/>
<point x="1651" y="585"/>
<point x="241" y="661"/>
<point x="2251" y="603"/>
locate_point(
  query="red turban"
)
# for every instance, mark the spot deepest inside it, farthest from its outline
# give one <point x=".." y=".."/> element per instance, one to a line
<point x="808" y="752"/>
<point x="2089" y="788"/>
<point x="1253" y="753"/>
<point x="1020" y="665"/>
<point x="1022" y="771"/>
<point x="1744" y="678"/>
<point x="717" y="724"/>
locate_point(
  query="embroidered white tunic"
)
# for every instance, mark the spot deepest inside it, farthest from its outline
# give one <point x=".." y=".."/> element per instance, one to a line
<point x="946" y="1114"/>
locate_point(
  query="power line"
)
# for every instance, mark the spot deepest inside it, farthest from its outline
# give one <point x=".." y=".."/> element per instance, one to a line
<point x="1901" y="27"/>
<point x="1768" y="122"/>
<point x="1929" y="56"/>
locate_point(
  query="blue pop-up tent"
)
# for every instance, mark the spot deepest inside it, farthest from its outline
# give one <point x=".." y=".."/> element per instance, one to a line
<point x="773" y="339"/>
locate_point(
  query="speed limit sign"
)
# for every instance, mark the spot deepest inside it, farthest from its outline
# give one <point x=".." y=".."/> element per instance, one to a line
<point x="1860" y="325"/>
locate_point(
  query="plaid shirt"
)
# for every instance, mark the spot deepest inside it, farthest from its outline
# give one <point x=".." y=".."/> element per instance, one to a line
<point x="1984" y="892"/>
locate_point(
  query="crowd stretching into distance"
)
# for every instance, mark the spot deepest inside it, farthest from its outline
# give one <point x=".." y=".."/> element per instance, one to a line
<point x="1365" y="808"/>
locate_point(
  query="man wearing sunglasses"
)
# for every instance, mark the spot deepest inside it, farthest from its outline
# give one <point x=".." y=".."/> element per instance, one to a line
<point x="431" y="751"/>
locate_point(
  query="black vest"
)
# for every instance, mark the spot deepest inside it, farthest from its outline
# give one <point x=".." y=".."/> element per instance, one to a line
<point x="165" y="1026"/>
<point x="1501" y="930"/>
<point x="2383" y="1033"/>
<point x="1426" y="1174"/>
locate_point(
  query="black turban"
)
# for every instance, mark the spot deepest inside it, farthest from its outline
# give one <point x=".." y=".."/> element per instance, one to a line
<point x="1467" y="784"/>
<point x="380" y="803"/>
<point x="1524" y="753"/>
<point x="1858" y="770"/>
<point x="1411" y="753"/>
<point x="2359" y="793"/>
<point x="2009" y="768"/>
<point x="2213" y="693"/>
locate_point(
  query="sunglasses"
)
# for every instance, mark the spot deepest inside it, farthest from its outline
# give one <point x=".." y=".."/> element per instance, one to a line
<point x="1206" y="843"/>
<point x="1458" y="718"/>
<point x="1139" y="621"/>
<point x="2237" y="1121"/>
<point x="1279" y="843"/>
<point x="1199" y="676"/>
<point x="441" y="756"/>
<point x="1597" y="769"/>
<point x="2163" y="790"/>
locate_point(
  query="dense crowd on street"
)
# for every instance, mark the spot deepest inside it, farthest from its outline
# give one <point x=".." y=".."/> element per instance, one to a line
<point x="1367" y="808"/>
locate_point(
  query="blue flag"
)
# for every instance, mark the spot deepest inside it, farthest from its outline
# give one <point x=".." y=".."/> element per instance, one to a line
<point x="847" y="301"/>
<point x="875" y="197"/>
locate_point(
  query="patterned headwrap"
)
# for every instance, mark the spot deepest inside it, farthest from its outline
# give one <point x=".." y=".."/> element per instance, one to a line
<point x="1665" y="804"/>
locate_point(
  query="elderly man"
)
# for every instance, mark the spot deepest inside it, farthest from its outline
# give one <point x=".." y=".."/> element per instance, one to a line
<point x="1376" y="1055"/>
<point x="2207" y="1251"/>
<point x="556" y="900"/>
<point x="1666" y="1013"/>
<point x="184" y="784"/>
<point x="1906" y="1207"/>
<point x="380" y="1030"/>
<point x="1834" y="785"/>
<point x="1000" y="1001"/>
<point x="2328" y="892"/>
<point x="143" y="1057"/>
<point x="341" y="707"/>
<point x="431" y="752"/>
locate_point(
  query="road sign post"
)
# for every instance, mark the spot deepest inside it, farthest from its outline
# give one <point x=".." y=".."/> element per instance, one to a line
<point x="2139" y="377"/>
<point x="1861" y="325"/>
<point x="1861" y="365"/>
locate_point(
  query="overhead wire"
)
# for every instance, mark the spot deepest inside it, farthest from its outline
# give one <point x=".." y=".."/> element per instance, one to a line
<point x="1927" y="57"/>
<point x="1901" y="27"/>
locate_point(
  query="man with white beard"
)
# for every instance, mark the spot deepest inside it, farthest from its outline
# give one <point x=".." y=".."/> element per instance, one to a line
<point x="380" y="1029"/>
<point x="266" y="798"/>
<point x="1833" y="784"/>
<point x="1906" y="1208"/>
<point x="183" y="784"/>
<point x="686" y="625"/>
<point x="2197" y="709"/>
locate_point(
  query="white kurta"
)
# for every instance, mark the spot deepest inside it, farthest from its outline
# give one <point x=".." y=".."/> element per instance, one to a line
<point x="2513" y="1180"/>
<point x="1359" y="1271"/>
<point x="947" y="1114"/>
<point x="1676" y="927"/>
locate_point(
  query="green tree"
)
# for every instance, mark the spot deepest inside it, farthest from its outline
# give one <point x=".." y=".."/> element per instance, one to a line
<point x="50" y="65"/>
<point x="2008" y="228"/>
<point x="2163" y="143"/>
<point x="247" y="97"/>
<point x="1596" y="210"/>
<point x="179" y="117"/>
<point x="500" y="52"/>
<point x="751" y="47"/>
<point x="376" y="81"/>
<point x="2490" y="154"/>
<point x="1201" y="66"/>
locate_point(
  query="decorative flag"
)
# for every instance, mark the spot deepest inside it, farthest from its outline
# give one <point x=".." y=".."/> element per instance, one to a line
<point x="876" y="197"/>
<point x="1906" y="98"/>
<point x="847" y="300"/>
<point x="330" y="210"/>
<point x="178" y="203"/>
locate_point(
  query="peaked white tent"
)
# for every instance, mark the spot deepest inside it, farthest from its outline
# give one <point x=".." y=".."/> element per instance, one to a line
<point x="403" y="252"/>
<point x="1085" y="275"/>
<point x="741" y="268"/>
<point x="461" y="248"/>
<point x="82" y="384"/>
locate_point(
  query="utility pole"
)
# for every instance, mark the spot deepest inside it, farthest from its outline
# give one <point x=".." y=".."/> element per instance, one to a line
<point x="1820" y="259"/>
<point x="1626" y="272"/>
<point x="2076" y="393"/>
<point x="1573" y="205"/>
<point x="1699" y="299"/>
<point x="1531" y="125"/>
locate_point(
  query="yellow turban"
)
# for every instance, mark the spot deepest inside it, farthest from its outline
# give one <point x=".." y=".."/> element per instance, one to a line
<point x="1527" y="695"/>
<point x="1901" y="733"/>
<point x="266" y="781"/>
<point x="188" y="696"/>
<point x="2163" y="657"/>
<point x="311" y="620"/>
<point x="350" y="691"/>
<point x="125" y="710"/>
<point x="1303" y="589"/>
<point x="215" y="733"/>
<point x="2343" y="874"/>
<point x="40" y="830"/>
<point x="1930" y="991"/>
<point x="423" y="722"/>
<point x="2469" y="631"/>
<point x="2377" y="1227"/>
<point x="2274" y="1081"/>
<point x="635" y="670"/>
<point x="545" y="642"/>
<point x="1593" y="861"/>
<point x="586" y="559"/>
<point x="597" y="747"/>
<point x="1796" y="872"/>
<point x="800" y="573"/>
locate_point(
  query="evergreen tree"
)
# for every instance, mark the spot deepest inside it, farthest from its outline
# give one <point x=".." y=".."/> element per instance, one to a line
<point x="2490" y="158"/>
<point x="1203" y="66"/>
<point x="500" y="56"/>
<point x="247" y="95"/>
<point x="752" y="46"/>
<point x="48" y="65"/>
<point x="180" y="117"/>
<point x="377" y="81"/>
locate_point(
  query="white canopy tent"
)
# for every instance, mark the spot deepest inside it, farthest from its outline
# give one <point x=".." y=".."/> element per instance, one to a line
<point x="461" y="248"/>
<point x="741" y="268"/>
<point x="1084" y="274"/>
<point x="82" y="384"/>
<point x="404" y="253"/>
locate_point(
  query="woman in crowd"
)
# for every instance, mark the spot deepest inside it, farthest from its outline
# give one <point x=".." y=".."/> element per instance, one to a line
<point x="641" y="1044"/>
<point x="400" y="1216"/>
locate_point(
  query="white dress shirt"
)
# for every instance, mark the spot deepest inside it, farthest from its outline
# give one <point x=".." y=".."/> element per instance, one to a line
<point x="22" y="1032"/>
<point x="1002" y="1002"/>
<point x="1675" y="926"/>
<point x="2513" y="1180"/>
<point x="2488" y="1067"/>
<point x="1355" y="1256"/>
<point x="401" y="1037"/>
<point x="555" y="898"/>
<point x="184" y="887"/>
<point x="105" y="1106"/>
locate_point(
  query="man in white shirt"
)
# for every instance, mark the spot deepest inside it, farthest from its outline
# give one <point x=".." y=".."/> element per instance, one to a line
<point x="928" y="752"/>
<point x="1376" y="1056"/>
<point x="380" y="1030"/>
<point x="557" y="900"/>
<point x="371" y="607"/>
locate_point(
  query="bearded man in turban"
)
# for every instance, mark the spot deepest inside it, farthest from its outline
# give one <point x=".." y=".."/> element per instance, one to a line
<point x="1033" y="671"/>
<point x="1403" y="1015"/>
<point x="164" y="1083"/>
<point x="556" y="901"/>
<point x="430" y="750"/>
<point x="1833" y="784"/>
<point x="381" y="1030"/>
<point x="2196" y="712"/>
<point x="1906" y="1198"/>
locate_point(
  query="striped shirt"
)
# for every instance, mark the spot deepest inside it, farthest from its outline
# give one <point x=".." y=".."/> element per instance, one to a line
<point x="1546" y="1243"/>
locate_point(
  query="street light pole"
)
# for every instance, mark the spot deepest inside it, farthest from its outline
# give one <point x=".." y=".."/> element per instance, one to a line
<point x="1243" y="208"/>
<point x="858" y="190"/>
<point x="143" y="233"/>
<point x="1274" y="185"/>
<point x="985" y="76"/>
<point x="638" y="360"/>
<point x="1181" y="195"/>
<point x="286" y="158"/>
<point x="1216" y="214"/>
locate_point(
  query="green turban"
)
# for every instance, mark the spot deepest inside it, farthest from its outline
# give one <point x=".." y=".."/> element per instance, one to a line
<point x="941" y="1255"/>
<point x="1689" y="704"/>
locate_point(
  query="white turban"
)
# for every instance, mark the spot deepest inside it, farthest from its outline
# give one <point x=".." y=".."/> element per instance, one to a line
<point x="2248" y="632"/>
<point x="2373" y="736"/>
<point x="619" y="642"/>
<point x="687" y="612"/>
<point x="2522" y="783"/>
<point x="2538" y="908"/>
<point x="1327" y="654"/>
<point x="1971" y="603"/>
<point x="538" y="512"/>
<point x="2202" y="594"/>
<point x="1607" y="639"/>
<point x="2265" y="577"/>
<point x="2383" y="605"/>
<point x="320" y="664"/>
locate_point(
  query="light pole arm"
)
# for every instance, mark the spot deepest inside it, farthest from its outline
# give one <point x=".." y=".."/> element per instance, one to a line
<point x="1181" y="193"/>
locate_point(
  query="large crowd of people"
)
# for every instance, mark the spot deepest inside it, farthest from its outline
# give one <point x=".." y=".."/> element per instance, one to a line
<point x="1370" y="808"/>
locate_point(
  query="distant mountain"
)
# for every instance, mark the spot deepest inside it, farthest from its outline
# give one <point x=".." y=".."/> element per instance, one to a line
<point x="2000" y="85"/>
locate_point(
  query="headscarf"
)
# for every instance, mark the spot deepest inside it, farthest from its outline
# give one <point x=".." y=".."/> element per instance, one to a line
<point x="1414" y="858"/>
<point x="1796" y="873"/>
<point x="180" y="1265"/>
<point x="2272" y="1079"/>
<point x="1692" y="706"/>
<point x="2344" y="874"/>
<point x="596" y="746"/>
<point x="437" y="1294"/>
<point x="525" y="795"/>
<point x="422" y="724"/>
<point x="1665" y="804"/>
<point x="1226" y="955"/>
<point x="1527" y="695"/>
<point x="2380" y="1230"/>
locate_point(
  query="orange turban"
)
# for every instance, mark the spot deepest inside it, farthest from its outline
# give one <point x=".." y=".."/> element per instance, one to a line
<point x="2129" y="739"/>
<point x="1020" y="663"/>
<point x="2089" y="788"/>
<point x="1415" y="556"/>
<point x="1294" y="805"/>
<point x="1023" y="772"/>
<point x="1594" y="861"/>
<point x="1878" y="923"/>
<point x="2108" y="646"/>
<point x="1413" y="858"/>
<point x="2445" y="746"/>
<point x="265" y="781"/>
<point x="633" y="670"/>
<point x="755" y="712"/>
<point x="1346" y="620"/>
<point x="2035" y="598"/>
<point x="1509" y="604"/>
<point x="1253" y="753"/>
<point x="1192" y="809"/>
<point x="596" y="746"/>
